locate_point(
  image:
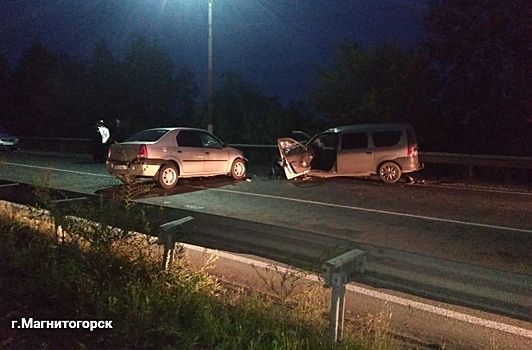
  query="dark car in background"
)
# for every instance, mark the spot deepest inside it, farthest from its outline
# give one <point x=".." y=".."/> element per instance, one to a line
<point x="8" y="141"/>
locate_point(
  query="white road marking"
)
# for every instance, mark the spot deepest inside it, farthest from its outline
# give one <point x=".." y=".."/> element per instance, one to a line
<point x="55" y="169"/>
<point x="193" y="207"/>
<point x="69" y="199"/>
<point x="10" y="185"/>
<point x="423" y="217"/>
<point x="503" y="327"/>
<point x="454" y="187"/>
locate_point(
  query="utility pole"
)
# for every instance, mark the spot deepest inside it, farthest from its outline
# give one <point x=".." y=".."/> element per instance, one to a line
<point x="210" y="82"/>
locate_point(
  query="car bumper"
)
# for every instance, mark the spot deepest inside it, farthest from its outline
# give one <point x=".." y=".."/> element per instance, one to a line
<point x="5" y="147"/>
<point x="143" y="168"/>
<point x="409" y="164"/>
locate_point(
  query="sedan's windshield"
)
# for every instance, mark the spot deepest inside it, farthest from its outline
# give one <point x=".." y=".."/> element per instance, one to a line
<point x="3" y="131"/>
<point x="150" y="135"/>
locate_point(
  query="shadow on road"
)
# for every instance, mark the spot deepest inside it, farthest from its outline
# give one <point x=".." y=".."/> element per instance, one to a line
<point x="149" y="189"/>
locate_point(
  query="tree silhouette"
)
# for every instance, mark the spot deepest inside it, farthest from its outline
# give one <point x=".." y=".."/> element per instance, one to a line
<point x="149" y="73"/>
<point x="481" y="52"/>
<point x="366" y="85"/>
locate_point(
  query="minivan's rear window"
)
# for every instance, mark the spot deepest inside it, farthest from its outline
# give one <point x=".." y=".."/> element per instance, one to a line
<point x="386" y="138"/>
<point x="150" y="135"/>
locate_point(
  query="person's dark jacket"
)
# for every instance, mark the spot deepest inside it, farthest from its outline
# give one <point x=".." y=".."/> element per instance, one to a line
<point x="118" y="133"/>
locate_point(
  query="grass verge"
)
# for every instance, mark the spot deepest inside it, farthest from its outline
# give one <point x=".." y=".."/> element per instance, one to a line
<point x="119" y="280"/>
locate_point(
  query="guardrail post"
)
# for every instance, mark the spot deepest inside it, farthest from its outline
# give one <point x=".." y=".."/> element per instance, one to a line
<point x="168" y="237"/>
<point x="336" y="273"/>
<point x="336" y="317"/>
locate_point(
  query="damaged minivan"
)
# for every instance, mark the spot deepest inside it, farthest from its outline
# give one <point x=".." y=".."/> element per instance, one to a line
<point x="387" y="150"/>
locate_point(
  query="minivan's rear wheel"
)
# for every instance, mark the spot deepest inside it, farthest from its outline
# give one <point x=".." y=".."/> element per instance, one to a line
<point x="168" y="176"/>
<point x="238" y="169"/>
<point x="390" y="172"/>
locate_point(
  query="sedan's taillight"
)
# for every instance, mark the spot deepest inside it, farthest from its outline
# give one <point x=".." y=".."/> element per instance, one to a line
<point x="143" y="152"/>
<point x="412" y="150"/>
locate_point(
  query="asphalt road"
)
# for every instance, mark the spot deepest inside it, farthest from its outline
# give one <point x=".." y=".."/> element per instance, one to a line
<point x="481" y="230"/>
<point x="481" y="227"/>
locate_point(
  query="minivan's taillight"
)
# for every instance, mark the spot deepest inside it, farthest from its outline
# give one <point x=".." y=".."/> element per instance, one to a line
<point x="412" y="143"/>
<point x="143" y="152"/>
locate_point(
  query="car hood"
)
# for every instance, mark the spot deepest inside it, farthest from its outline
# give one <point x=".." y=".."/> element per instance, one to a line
<point x="234" y="151"/>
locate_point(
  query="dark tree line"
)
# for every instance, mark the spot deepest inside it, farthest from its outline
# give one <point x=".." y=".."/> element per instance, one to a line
<point x="50" y="94"/>
<point x="481" y="54"/>
<point x="466" y="87"/>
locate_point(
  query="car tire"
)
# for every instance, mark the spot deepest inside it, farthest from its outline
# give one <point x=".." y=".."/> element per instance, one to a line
<point x="238" y="169"/>
<point x="390" y="172"/>
<point x="168" y="176"/>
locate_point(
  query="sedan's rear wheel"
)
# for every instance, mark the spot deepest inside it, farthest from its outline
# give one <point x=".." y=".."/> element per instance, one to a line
<point x="390" y="172"/>
<point x="238" y="169"/>
<point x="168" y="176"/>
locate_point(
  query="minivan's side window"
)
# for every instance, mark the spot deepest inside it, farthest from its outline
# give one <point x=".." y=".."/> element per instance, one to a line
<point x="188" y="138"/>
<point x="386" y="138"/>
<point x="354" y="140"/>
<point x="325" y="141"/>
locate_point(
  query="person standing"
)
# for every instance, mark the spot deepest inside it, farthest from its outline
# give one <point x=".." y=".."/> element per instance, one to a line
<point x="96" y="142"/>
<point x="117" y="132"/>
<point x="100" y="151"/>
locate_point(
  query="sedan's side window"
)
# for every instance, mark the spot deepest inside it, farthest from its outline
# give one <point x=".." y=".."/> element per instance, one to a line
<point x="354" y="140"/>
<point x="208" y="141"/>
<point x="188" y="138"/>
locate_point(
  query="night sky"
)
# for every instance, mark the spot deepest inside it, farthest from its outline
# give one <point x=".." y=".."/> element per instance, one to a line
<point x="277" y="44"/>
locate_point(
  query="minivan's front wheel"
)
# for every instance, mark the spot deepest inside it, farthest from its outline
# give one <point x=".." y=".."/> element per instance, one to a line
<point x="238" y="169"/>
<point x="390" y="172"/>
<point x="168" y="176"/>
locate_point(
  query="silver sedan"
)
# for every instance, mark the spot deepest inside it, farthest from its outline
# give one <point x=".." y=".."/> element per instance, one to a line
<point x="167" y="154"/>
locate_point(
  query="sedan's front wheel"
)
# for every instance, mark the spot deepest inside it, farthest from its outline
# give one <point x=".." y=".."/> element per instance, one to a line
<point x="390" y="172"/>
<point x="168" y="176"/>
<point x="238" y="169"/>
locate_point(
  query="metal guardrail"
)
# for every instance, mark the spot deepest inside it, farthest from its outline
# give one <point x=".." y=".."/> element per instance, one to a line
<point x="82" y="145"/>
<point x="477" y="160"/>
<point x="482" y="288"/>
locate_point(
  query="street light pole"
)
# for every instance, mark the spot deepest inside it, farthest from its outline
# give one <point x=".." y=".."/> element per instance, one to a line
<point x="210" y="78"/>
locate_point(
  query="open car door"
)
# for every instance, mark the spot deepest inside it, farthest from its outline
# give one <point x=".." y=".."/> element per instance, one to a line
<point x="295" y="157"/>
